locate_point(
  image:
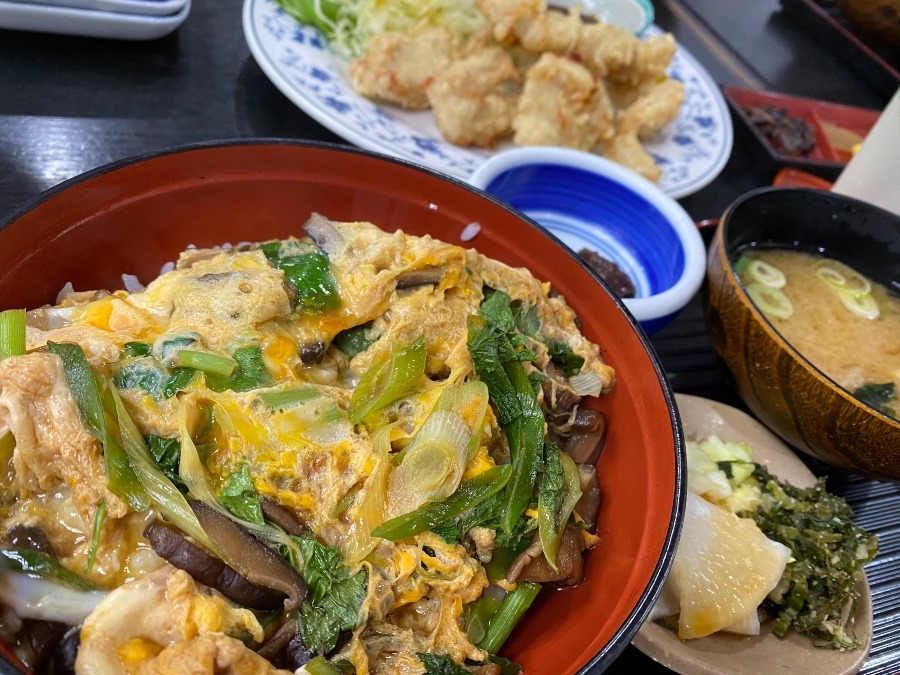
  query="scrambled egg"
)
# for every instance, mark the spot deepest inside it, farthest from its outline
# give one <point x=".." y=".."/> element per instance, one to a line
<point x="307" y="456"/>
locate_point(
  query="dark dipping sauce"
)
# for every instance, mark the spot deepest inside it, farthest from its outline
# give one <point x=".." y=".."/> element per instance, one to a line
<point x="610" y="272"/>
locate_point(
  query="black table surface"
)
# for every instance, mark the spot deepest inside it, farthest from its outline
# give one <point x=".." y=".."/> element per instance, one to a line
<point x="69" y="104"/>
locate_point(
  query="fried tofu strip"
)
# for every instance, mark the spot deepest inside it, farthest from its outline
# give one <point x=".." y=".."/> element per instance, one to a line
<point x="53" y="448"/>
<point x="473" y="100"/>
<point x="562" y="104"/>
<point x="398" y="67"/>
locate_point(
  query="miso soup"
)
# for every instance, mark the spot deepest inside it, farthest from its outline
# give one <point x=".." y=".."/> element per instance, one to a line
<point x="846" y="325"/>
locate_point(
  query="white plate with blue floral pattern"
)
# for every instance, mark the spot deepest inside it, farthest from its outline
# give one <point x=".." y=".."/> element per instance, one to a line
<point x="297" y="59"/>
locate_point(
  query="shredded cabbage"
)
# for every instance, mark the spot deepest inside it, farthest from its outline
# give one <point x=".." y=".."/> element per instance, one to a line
<point x="350" y="24"/>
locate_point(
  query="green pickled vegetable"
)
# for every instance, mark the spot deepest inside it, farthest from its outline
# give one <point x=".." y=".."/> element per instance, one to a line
<point x="469" y="494"/>
<point x="12" y="333"/>
<point x="391" y="377"/>
<point x="829" y="552"/>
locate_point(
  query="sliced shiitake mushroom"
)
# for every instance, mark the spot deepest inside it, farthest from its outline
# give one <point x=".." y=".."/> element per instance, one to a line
<point x="569" y="562"/>
<point x="324" y="233"/>
<point x="587" y="436"/>
<point x="587" y="506"/>
<point x="419" y="277"/>
<point x="173" y="547"/>
<point x="284" y="518"/>
<point x="249" y="556"/>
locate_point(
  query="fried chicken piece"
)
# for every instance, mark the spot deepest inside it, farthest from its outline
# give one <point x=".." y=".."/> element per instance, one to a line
<point x="473" y="101"/>
<point x="652" y="110"/>
<point x="551" y="32"/>
<point x="398" y="67"/>
<point x="616" y="53"/>
<point x="509" y="18"/>
<point x="605" y="49"/>
<point x="562" y="104"/>
<point x="626" y="149"/>
<point x="651" y="58"/>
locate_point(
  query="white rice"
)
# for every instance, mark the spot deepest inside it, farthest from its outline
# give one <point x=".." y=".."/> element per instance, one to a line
<point x="470" y="231"/>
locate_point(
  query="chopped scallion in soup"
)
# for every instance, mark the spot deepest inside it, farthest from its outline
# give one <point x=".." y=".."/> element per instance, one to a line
<point x="845" y="324"/>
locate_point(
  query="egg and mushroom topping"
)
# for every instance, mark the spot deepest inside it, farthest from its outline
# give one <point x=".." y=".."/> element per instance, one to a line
<point x="354" y="449"/>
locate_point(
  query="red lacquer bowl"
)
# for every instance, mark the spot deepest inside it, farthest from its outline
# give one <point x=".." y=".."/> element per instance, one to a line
<point x="135" y="215"/>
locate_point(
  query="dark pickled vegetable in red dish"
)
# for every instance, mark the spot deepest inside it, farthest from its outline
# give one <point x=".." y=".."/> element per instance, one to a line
<point x="787" y="134"/>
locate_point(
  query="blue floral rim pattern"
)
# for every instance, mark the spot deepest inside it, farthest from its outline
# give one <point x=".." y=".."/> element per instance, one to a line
<point x="297" y="59"/>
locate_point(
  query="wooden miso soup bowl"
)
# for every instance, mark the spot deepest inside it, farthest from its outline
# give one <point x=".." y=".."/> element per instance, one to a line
<point x="785" y="391"/>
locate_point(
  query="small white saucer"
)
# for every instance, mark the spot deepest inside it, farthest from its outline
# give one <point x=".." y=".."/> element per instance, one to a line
<point x="763" y="654"/>
<point x="43" y="18"/>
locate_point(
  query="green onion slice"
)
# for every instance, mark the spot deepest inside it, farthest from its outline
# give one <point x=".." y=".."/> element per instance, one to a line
<point x="12" y="333"/>
<point x="86" y="390"/>
<point x="470" y="401"/>
<point x="766" y="274"/>
<point x="209" y="363"/>
<point x="830" y="275"/>
<point x="44" y="565"/>
<point x="99" y="518"/>
<point x="285" y="398"/>
<point x="770" y="301"/>
<point x="432" y="464"/>
<point x="551" y="525"/>
<point x="863" y="305"/>
<point x="513" y="608"/>
<point x="162" y="491"/>
<point x="389" y="378"/>
<point x="470" y="493"/>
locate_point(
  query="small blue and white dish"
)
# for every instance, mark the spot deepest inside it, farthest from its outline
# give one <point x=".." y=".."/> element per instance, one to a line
<point x="592" y="203"/>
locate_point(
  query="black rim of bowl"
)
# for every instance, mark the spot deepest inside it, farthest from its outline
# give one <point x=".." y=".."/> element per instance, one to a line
<point x="622" y="637"/>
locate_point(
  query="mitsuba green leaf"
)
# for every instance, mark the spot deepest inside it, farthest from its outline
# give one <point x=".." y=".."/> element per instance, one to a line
<point x="140" y="374"/>
<point x="167" y="453"/>
<point x="334" y="600"/>
<point x="562" y="355"/>
<point x="178" y="379"/>
<point x="308" y="270"/>
<point x="134" y="349"/>
<point x="497" y="311"/>
<point x="441" y="664"/>
<point x="239" y="496"/>
<point x="355" y="340"/>
<point x="251" y="372"/>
